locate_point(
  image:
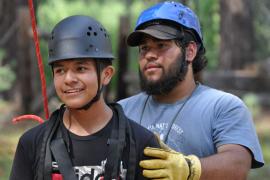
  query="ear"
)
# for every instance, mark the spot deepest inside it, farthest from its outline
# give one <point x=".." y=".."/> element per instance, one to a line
<point x="107" y="74"/>
<point x="191" y="51"/>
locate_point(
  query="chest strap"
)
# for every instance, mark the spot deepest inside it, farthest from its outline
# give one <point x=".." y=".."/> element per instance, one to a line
<point x="61" y="156"/>
<point x="116" y="145"/>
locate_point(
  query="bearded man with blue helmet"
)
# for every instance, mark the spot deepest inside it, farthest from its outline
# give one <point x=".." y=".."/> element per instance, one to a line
<point x="209" y="134"/>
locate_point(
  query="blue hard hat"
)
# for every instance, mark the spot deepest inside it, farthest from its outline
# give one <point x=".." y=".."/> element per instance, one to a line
<point x="170" y="11"/>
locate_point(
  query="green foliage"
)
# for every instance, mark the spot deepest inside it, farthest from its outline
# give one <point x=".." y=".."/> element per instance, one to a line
<point x="208" y="13"/>
<point x="262" y="29"/>
<point x="252" y="102"/>
<point x="6" y="74"/>
<point x="44" y="54"/>
<point x="9" y="136"/>
<point x="50" y="13"/>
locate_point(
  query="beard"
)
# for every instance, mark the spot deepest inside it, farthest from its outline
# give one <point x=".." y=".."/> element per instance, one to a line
<point x="168" y="81"/>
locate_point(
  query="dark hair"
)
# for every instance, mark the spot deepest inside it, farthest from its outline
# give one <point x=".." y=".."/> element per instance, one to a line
<point x="200" y="61"/>
<point x="104" y="63"/>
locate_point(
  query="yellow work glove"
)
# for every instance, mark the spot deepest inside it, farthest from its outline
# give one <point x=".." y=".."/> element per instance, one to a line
<point x="169" y="164"/>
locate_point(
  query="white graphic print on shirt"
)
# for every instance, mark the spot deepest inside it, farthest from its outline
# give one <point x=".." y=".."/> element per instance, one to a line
<point x="93" y="172"/>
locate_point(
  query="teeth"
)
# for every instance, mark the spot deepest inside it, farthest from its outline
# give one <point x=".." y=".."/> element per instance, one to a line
<point x="72" y="91"/>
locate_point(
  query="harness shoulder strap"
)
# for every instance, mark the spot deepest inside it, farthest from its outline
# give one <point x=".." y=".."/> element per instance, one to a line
<point x="132" y="144"/>
<point x="53" y="145"/>
<point x="60" y="153"/>
<point x="120" y="138"/>
<point x="116" y="145"/>
<point x="44" y="159"/>
<point x="62" y="158"/>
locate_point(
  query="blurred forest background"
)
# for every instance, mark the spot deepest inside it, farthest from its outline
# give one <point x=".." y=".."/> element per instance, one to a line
<point x="236" y="35"/>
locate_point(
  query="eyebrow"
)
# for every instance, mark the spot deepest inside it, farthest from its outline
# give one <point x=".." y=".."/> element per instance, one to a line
<point x="82" y="61"/>
<point x="57" y="64"/>
<point x="77" y="62"/>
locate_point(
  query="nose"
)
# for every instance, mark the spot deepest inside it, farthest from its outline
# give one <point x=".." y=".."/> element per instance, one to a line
<point x="70" y="77"/>
<point x="151" y="54"/>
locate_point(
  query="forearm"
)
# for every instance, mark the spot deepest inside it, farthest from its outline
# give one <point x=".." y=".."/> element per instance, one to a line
<point x="231" y="162"/>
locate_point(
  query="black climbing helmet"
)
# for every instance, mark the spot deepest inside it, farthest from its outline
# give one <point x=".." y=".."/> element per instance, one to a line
<point x="79" y="37"/>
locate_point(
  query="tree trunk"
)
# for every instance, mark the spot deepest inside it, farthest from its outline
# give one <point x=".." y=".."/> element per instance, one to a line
<point x="237" y="34"/>
<point x="8" y="30"/>
<point x="18" y="44"/>
<point x="25" y="62"/>
<point x="123" y="58"/>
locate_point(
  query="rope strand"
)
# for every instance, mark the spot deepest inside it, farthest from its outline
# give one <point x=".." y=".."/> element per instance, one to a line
<point x="39" y="58"/>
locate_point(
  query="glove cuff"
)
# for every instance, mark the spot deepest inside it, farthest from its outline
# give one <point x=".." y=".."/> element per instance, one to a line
<point x="195" y="168"/>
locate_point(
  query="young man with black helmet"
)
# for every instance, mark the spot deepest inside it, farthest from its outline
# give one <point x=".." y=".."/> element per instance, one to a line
<point x="85" y="138"/>
<point x="210" y="132"/>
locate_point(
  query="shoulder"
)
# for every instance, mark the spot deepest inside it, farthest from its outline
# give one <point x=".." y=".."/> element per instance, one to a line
<point x="219" y="97"/>
<point x="140" y="130"/>
<point x="134" y="105"/>
<point x="132" y="100"/>
<point x="142" y="136"/>
<point x="33" y="136"/>
<point x="28" y="147"/>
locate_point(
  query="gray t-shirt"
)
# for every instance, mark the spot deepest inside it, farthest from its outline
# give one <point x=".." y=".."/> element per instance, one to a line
<point x="199" y="124"/>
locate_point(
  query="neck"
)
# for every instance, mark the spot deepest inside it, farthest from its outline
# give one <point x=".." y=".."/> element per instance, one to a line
<point x="87" y="122"/>
<point x="183" y="89"/>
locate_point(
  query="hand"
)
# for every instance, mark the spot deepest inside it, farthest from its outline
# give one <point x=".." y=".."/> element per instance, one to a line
<point x="170" y="165"/>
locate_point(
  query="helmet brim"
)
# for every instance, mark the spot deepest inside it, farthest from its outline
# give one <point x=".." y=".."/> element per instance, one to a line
<point x="161" y="32"/>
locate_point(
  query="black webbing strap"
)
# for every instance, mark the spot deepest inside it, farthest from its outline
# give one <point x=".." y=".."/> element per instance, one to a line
<point x="43" y="169"/>
<point x="62" y="158"/>
<point x="132" y="155"/>
<point x="116" y="144"/>
<point x="48" y="155"/>
<point x="60" y="152"/>
<point x="132" y="145"/>
<point x="112" y="164"/>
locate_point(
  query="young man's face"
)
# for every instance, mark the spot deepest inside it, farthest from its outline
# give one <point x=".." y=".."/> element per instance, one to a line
<point x="75" y="81"/>
<point x="160" y="65"/>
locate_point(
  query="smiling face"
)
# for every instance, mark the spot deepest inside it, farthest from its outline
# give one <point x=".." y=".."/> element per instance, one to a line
<point x="75" y="81"/>
<point x="162" y="65"/>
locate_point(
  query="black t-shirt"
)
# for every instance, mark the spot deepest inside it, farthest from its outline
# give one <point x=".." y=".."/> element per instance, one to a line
<point x="88" y="153"/>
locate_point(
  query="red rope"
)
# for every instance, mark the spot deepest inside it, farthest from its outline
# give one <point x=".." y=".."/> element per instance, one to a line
<point x="39" y="58"/>
<point x="27" y="116"/>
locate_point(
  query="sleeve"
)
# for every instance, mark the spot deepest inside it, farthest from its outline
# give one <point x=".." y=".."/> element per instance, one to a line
<point x="152" y="142"/>
<point x="147" y="141"/>
<point x="233" y="124"/>
<point x="144" y="138"/>
<point x="21" y="167"/>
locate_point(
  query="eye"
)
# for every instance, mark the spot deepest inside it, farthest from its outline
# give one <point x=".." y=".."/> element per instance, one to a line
<point x="143" y="48"/>
<point x="58" y="70"/>
<point x="162" y="45"/>
<point x="81" y="69"/>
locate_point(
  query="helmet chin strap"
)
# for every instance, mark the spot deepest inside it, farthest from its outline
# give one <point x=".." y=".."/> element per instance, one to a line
<point x="99" y="90"/>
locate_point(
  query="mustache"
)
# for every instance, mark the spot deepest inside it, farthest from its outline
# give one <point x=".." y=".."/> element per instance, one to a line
<point x="152" y="64"/>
